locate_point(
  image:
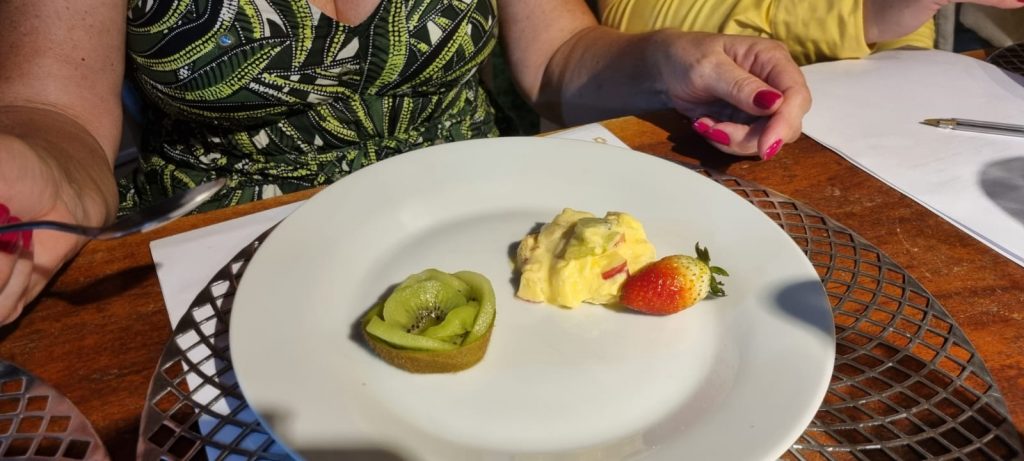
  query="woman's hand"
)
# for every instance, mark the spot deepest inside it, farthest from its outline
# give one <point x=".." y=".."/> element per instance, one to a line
<point x="35" y="190"/>
<point x="745" y="94"/>
<point x="15" y="267"/>
<point x="21" y="275"/>
<point x="891" y="19"/>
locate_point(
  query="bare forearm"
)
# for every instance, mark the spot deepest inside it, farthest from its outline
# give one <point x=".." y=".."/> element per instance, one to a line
<point x="889" y="19"/>
<point x="573" y="70"/>
<point x="601" y="73"/>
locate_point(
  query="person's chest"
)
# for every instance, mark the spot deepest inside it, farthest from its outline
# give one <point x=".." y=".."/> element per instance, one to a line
<point x="350" y="12"/>
<point x="256" y="56"/>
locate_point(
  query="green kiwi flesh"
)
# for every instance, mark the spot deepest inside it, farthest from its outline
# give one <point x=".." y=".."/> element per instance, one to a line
<point x="483" y="292"/>
<point x="440" y="276"/>
<point x="456" y="324"/>
<point x="398" y="337"/>
<point x="433" y="322"/>
<point x="421" y="305"/>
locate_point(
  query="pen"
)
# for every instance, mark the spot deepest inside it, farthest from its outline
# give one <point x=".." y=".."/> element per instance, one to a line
<point x="979" y="126"/>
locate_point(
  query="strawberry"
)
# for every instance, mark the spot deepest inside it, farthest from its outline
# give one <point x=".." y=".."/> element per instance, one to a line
<point x="672" y="283"/>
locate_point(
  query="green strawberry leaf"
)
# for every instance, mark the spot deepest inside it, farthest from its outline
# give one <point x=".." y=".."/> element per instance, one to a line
<point x="715" y="288"/>
<point x="702" y="253"/>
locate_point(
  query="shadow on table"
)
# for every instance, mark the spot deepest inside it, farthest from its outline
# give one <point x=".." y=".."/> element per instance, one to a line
<point x="104" y="288"/>
<point x="1003" y="182"/>
<point x="687" y="142"/>
<point x="6" y="330"/>
<point x="80" y="296"/>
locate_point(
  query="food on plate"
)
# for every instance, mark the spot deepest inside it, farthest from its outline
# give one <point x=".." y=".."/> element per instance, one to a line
<point x="579" y="258"/>
<point x="672" y="283"/>
<point x="433" y="322"/>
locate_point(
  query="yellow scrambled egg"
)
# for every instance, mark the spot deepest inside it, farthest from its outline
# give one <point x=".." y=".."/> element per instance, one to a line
<point x="578" y="258"/>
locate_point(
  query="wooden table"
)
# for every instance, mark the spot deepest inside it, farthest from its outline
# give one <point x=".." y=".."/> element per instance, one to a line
<point x="98" y="331"/>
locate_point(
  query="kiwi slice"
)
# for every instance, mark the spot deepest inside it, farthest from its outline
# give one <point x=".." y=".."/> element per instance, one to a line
<point x="483" y="292"/>
<point x="421" y="305"/>
<point x="440" y="276"/>
<point x="456" y="324"/>
<point x="433" y="322"/>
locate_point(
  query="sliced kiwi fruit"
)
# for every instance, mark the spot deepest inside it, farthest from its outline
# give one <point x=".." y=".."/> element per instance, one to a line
<point x="440" y="276"/>
<point x="483" y="292"/>
<point x="421" y="305"/>
<point x="433" y="322"/>
<point x="456" y="324"/>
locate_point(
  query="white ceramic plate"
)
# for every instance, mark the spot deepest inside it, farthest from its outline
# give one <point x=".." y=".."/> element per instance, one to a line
<point x="735" y="378"/>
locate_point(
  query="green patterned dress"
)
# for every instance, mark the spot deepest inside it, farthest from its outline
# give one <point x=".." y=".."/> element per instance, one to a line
<point x="277" y="96"/>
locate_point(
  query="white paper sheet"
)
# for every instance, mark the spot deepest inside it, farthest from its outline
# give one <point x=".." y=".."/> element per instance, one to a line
<point x="869" y="111"/>
<point x="186" y="262"/>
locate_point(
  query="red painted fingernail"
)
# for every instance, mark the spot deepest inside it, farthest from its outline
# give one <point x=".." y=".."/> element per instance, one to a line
<point x="772" y="150"/>
<point x="765" y="99"/>
<point x="700" y="127"/>
<point x="718" y="136"/>
<point x="26" y="239"/>
<point x="9" y="241"/>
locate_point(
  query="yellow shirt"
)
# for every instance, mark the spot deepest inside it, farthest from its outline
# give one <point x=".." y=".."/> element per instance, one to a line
<point x="813" y="30"/>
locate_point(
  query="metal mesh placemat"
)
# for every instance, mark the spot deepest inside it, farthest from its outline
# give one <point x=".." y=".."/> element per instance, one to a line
<point x="1010" y="58"/>
<point x="907" y="384"/>
<point x="39" y="423"/>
